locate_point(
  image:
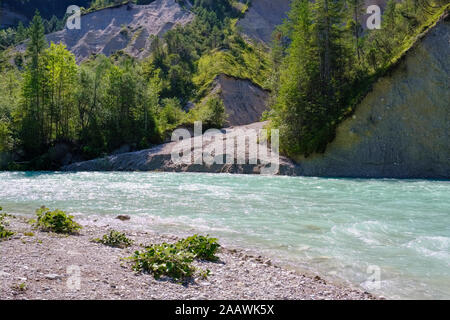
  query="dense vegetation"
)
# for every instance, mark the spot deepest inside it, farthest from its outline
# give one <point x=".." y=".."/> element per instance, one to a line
<point x="106" y="103"/>
<point x="325" y="63"/>
<point x="5" y="233"/>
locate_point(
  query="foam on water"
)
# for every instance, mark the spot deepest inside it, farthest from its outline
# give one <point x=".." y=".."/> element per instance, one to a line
<point x="341" y="228"/>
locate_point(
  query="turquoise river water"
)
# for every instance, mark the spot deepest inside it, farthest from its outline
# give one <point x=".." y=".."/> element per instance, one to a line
<point x="351" y="230"/>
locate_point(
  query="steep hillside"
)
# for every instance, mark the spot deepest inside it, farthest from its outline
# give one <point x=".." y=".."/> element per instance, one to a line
<point x="262" y="18"/>
<point x="126" y="27"/>
<point x="244" y="102"/>
<point x="401" y="129"/>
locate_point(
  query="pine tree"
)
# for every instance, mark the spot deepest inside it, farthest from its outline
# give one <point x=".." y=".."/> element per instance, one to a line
<point x="33" y="121"/>
<point x="313" y="79"/>
<point x="355" y="9"/>
<point x="21" y="33"/>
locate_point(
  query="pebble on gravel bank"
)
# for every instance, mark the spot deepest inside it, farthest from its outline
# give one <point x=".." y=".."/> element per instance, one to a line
<point x="47" y="266"/>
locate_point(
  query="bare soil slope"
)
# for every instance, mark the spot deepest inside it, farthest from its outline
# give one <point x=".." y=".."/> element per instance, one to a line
<point x="244" y="101"/>
<point x="262" y="18"/>
<point x="125" y="27"/>
<point x="402" y="128"/>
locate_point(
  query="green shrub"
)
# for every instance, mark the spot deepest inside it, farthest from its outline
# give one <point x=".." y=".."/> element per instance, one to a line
<point x="55" y="221"/>
<point x="165" y="260"/>
<point x="4" y="233"/>
<point x="203" y="248"/>
<point x="175" y="260"/>
<point x="115" y="239"/>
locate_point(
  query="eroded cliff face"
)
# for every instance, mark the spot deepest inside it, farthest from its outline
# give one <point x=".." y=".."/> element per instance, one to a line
<point x="244" y="101"/>
<point x="262" y="18"/>
<point x="126" y="27"/>
<point x="401" y="129"/>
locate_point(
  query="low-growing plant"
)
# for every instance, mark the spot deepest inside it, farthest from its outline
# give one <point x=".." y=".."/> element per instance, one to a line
<point x="55" y="221"/>
<point x="20" y="287"/>
<point x="115" y="239"/>
<point x="165" y="260"/>
<point x="204" y="248"/>
<point x="175" y="260"/>
<point x="4" y="233"/>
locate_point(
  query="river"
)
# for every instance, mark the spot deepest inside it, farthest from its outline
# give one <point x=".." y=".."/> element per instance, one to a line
<point x="391" y="237"/>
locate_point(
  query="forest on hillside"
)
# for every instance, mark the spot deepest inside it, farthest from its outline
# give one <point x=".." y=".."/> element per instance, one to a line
<point x="329" y="63"/>
<point x="320" y="65"/>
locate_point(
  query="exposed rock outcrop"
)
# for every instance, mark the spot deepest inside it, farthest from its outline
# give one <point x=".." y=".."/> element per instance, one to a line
<point x="262" y="18"/>
<point x="125" y="27"/>
<point x="402" y="128"/>
<point x="244" y="101"/>
<point x="160" y="157"/>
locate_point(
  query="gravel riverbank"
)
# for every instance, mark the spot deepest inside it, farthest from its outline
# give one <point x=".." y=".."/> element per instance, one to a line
<point x="39" y="265"/>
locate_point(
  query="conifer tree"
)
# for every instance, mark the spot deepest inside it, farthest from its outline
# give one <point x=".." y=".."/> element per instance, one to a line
<point x="33" y="121"/>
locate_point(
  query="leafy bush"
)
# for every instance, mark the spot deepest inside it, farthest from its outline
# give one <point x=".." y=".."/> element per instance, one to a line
<point x="165" y="260"/>
<point x="203" y="248"/>
<point x="115" y="239"/>
<point x="4" y="233"/>
<point x="55" y="221"/>
<point x="175" y="260"/>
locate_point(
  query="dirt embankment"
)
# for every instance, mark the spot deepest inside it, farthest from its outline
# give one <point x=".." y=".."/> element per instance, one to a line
<point x="244" y="101"/>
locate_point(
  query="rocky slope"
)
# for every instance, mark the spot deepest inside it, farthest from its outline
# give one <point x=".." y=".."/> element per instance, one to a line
<point x="244" y="101"/>
<point x="402" y="128"/>
<point x="160" y="158"/>
<point x="262" y="18"/>
<point x="125" y="27"/>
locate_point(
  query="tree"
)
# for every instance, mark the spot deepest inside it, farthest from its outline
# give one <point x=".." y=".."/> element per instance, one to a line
<point x="215" y="116"/>
<point x="60" y="73"/>
<point x="21" y="33"/>
<point x="33" y="118"/>
<point x="312" y="77"/>
<point x="355" y="8"/>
